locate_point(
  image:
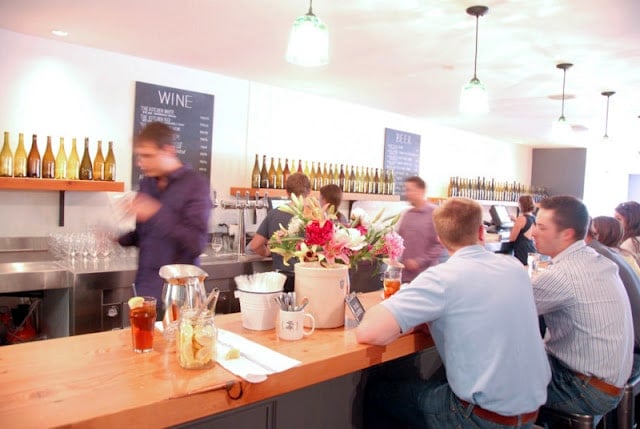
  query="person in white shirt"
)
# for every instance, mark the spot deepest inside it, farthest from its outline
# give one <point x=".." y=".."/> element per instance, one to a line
<point x="481" y="315"/>
<point x="586" y="310"/>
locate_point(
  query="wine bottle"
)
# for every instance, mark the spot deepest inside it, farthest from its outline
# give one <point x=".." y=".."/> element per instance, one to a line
<point x="306" y="169"/>
<point x="367" y="181"/>
<point x="6" y="158"/>
<point x="272" y="175"/>
<point x="376" y="183"/>
<point x="342" y="180"/>
<point x="300" y="170"/>
<point x="312" y="175"/>
<point x="330" y="175"/>
<point x="86" y="170"/>
<point x="20" y="159"/>
<point x="48" y="162"/>
<point x="33" y="160"/>
<point x="264" y="175"/>
<point x="353" y="183"/>
<point x="98" y="163"/>
<point x="110" y="165"/>
<point x="286" y="172"/>
<point x="279" y="175"/>
<point x="255" y="174"/>
<point x="61" y="161"/>
<point x="325" y="175"/>
<point x="73" y="162"/>
<point x="391" y="183"/>
<point x="318" y="177"/>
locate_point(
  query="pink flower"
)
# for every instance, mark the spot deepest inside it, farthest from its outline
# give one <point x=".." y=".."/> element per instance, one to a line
<point x="363" y="229"/>
<point x="318" y="233"/>
<point x="393" y="245"/>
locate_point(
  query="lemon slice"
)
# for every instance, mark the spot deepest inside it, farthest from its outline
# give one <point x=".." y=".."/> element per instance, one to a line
<point x="232" y="354"/>
<point x="135" y="302"/>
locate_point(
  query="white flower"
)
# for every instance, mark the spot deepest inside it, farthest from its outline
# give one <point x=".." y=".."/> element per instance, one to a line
<point x="359" y="213"/>
<point x="296" y="226"/>
<point x="352" y="238"/>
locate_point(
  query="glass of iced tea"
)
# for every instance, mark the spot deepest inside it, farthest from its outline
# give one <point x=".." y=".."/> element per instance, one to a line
<point x="142" y="315"/>
<point x="392" y="280"/>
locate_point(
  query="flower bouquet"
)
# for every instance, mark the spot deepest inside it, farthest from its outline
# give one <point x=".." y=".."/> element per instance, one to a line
<point x="314" y="234"/>
<point x="326" y="248"/>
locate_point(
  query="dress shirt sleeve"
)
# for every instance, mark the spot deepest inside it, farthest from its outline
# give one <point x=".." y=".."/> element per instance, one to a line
<point x="129" y="239"/>
<point x="422" y="301"/>
<point x="187" y="226"/>
<point x="551" y="291"/>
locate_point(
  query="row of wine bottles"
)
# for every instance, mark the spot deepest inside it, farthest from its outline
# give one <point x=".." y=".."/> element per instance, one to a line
<point x="348" y="177"/>
<point x="21" y="164"/>
<point x="480" y="188"/>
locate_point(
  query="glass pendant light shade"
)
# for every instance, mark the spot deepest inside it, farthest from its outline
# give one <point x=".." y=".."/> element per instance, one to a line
<point x="308" y="42"/>
<point x="473" y="98"/>
<point x="561" y="131"/>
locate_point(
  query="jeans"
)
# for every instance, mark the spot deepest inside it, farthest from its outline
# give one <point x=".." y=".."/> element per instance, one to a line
<point x="421" y="404"/>
<point x="568" y="393"/>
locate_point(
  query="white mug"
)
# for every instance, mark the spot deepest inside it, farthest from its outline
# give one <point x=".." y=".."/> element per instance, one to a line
<point x="291" y="325"/>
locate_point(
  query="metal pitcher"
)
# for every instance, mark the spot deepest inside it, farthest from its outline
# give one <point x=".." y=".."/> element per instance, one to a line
<point x="183" y="289"/>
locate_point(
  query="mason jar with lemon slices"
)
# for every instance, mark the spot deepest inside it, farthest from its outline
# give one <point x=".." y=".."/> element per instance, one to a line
<point x="196" y="340"/>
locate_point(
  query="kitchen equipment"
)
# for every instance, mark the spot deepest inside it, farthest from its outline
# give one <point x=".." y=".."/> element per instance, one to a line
<point x="183" y="289"/>
<point x="257" y="305"/>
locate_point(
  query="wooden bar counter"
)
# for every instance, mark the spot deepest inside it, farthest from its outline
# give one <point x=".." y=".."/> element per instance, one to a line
<point x="96" y="380"/>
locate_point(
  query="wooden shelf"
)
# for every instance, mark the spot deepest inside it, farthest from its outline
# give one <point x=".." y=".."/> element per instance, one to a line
<point x="281" y="193"/>
<point x="33" y="184"/>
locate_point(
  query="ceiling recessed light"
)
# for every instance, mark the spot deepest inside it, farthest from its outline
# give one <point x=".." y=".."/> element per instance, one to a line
<point x="59" y="33"/>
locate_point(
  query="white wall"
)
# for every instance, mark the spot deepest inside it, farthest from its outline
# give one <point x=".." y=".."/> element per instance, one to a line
<point x="54" y="88"/>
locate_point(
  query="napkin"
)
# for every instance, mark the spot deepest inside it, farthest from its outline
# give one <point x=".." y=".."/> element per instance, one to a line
<point x="255" y="363"/>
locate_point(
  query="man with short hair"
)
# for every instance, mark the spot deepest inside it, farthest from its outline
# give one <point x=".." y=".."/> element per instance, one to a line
<point x="299" y="185"/>
<point x="586" y="310"/>
<point x="481" y="315"/>
<point x="421" y="246"/>
<point x="172" y="209"/>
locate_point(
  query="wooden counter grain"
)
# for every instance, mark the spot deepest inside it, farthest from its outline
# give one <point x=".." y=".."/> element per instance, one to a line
<point x="95" y="380"/>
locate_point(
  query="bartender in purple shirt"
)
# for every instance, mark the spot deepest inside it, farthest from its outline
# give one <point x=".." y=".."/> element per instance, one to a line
<point x="421" y="246"/>
<point x="172" y="209"/>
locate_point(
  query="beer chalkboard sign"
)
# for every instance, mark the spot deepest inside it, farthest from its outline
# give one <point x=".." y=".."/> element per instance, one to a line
<point x="402" y="155"/>
<point x="189" y="113"/>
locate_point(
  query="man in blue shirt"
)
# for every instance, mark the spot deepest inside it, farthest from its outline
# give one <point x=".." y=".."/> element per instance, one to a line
<point x="480" y="311"/>
<point x="172" y="209"/>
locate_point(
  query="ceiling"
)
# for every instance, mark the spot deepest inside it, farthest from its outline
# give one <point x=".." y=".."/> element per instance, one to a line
<point x="405" y="56"/>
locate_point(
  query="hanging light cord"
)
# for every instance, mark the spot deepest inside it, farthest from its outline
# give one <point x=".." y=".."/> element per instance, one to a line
<point x="475" y="58"/>
<point x="564" y="78"/>
<point x="310" y="8"/>
<point x="606" y="120"/>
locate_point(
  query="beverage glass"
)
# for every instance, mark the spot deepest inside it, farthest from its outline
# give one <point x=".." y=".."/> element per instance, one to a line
<point x="143" y="318"/>
<point x="291" y="325"/>
<point x="392" y="281"/>
<point x="196" y="340"/>
<point x="216" y="243"/>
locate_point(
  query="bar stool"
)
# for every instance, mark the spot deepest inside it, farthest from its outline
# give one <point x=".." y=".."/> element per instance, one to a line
<point x="559" y="419"/>
<point x="625" y="412"/>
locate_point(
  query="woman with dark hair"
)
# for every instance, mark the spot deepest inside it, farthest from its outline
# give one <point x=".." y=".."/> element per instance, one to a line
<point x="522" y="229"/>
<point x="609" y="232"/>
<point x="332" y="195"/>
<point x="628" y="214"/>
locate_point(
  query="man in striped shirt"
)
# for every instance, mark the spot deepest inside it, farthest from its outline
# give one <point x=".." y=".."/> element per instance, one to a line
<point x="586" y="310"/>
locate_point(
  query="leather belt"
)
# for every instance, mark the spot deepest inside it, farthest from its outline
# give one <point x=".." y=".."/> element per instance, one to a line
<point x="601" y="385"/>
<point x="499" y="418"/>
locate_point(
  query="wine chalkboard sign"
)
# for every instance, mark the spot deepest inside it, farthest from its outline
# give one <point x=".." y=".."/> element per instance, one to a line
<point x="402" y="155"/>
<point x="189" y="113"/>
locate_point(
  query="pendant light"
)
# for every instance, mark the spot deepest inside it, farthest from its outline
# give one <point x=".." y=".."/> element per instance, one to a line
<point x="474" y="99"/>
<point x="561" y="130"/>
<point x="309" y="41"/>
<point x="607" y="94"/>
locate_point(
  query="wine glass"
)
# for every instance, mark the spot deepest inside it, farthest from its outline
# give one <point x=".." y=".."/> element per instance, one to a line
<point x="216" y="243"/>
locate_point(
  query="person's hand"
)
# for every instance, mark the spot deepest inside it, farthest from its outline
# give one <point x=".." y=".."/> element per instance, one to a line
<point x="144" y="207"/>
<point x="411" y="264"/>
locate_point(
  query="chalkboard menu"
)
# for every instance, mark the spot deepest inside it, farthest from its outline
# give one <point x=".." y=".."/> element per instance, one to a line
<point x="189" y="113"/>
<point x="402" y="155"/>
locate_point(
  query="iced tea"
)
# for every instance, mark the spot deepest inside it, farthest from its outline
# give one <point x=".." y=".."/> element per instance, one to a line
<point x="392" y="281"/>
<point x="142" y="315"/>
